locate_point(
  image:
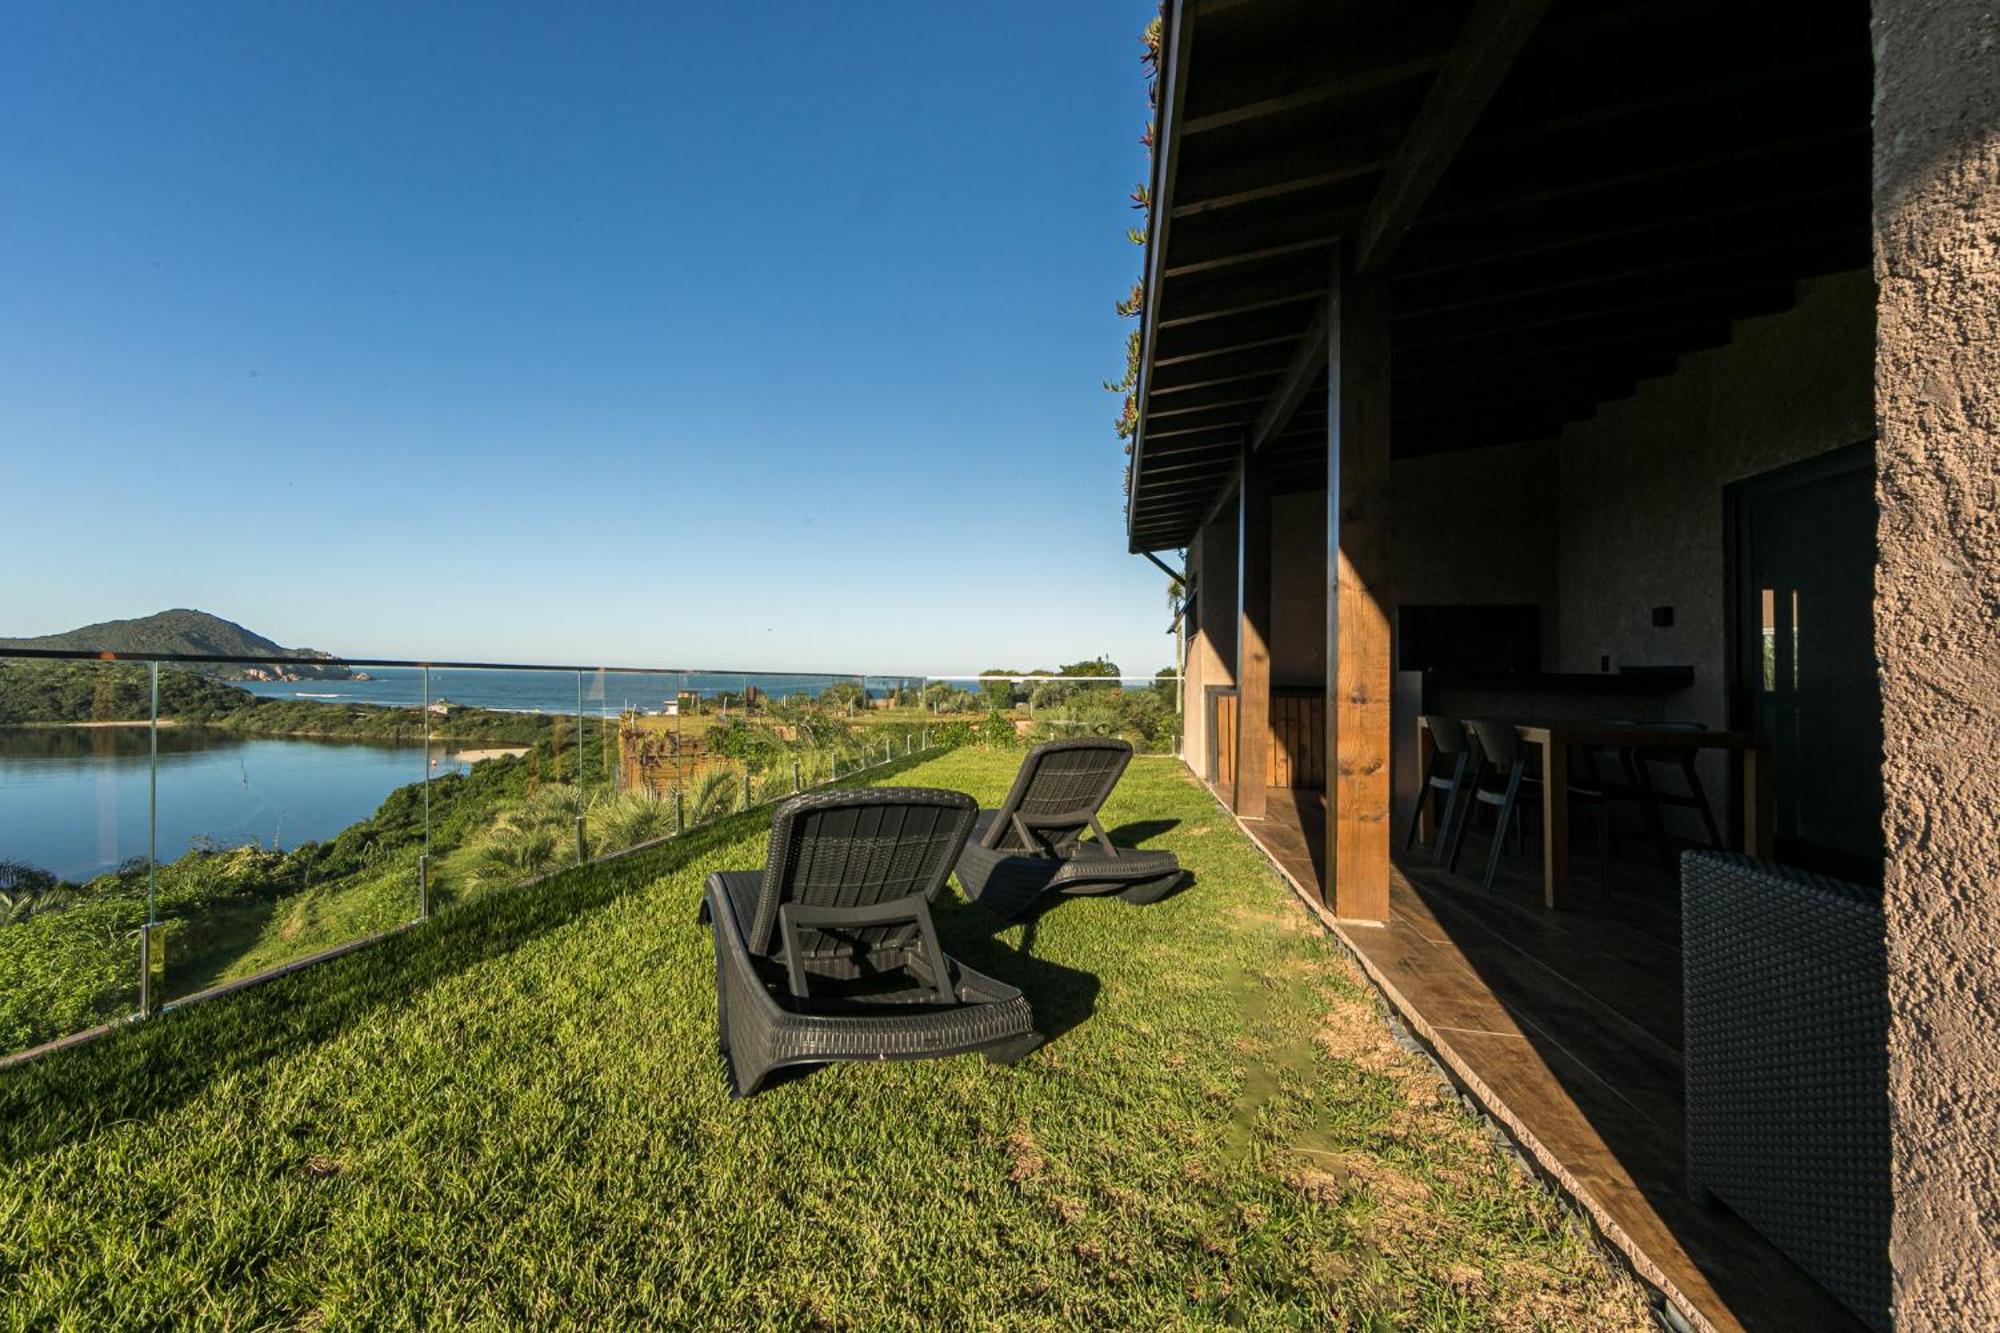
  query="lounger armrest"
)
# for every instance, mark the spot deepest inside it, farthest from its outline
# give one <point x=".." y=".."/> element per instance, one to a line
<point x="794" y="918"/>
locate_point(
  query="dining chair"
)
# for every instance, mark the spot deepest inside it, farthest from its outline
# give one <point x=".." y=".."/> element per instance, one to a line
<point x="1648" y="763"/>
<point x="1443" y="782"/>
<point x="1504" y="779"/>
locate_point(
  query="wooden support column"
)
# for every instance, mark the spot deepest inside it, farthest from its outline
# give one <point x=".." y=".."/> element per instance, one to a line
<point x="1357" y="620"/>
<point x="1253" y="637"/>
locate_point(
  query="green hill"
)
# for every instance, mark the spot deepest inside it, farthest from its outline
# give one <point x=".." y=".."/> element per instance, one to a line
<point x="183" y="630"/>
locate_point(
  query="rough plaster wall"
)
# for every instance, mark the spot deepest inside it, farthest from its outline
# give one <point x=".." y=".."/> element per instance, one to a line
<point x="1298" y="591"/>
<point x="1641" y="482"/>
<point x="1937" y="595"/>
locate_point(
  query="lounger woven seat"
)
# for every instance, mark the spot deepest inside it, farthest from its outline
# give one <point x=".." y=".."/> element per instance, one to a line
<point x="1033" y="844"/>
<point x="1787" y="1065"/>
<point x="829" y="953"/>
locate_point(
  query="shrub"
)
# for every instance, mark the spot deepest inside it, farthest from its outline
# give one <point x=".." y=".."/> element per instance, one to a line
<point x="997" y="732"/>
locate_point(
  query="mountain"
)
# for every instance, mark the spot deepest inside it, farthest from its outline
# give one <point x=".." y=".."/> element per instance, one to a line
<point x="188" y="631"/>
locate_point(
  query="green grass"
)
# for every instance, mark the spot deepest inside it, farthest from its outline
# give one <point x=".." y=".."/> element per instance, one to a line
<point x="515" y="1115"/>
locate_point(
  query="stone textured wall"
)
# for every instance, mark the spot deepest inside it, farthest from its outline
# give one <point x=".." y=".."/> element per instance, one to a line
<point x="1937" y="598"/>
<point x="1641" y="510"/>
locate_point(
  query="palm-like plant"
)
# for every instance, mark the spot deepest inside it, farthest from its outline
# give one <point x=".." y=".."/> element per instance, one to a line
<point x="27" y="890"/>
<point x="528" y="840"/>
<point x="715" y="795"/>
<point x="628" y="819"/>
<point x="510" y="855"/>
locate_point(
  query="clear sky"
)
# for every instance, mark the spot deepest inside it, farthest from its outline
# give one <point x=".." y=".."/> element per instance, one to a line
<point x="759" y="335"/>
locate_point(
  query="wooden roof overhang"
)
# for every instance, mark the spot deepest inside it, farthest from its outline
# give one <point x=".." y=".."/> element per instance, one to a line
<point x="1562" y="199"/>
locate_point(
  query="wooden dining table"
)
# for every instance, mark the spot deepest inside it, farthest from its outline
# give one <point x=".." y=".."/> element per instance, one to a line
<point x="1555" y="739"/>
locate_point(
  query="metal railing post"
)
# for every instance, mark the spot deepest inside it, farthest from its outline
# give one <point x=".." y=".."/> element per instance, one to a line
<point x="424" y="857"/>
<point x="152" y="936"/>
<point x="152" y="967"/>
<point x="581" y="855"/>
<point x="795" y="777"/>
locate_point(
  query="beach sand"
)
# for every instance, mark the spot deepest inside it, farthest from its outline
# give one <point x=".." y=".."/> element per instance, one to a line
<point x="495" y="752"/>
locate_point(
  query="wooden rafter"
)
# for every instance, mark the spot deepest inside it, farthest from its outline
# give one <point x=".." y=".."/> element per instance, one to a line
<point x="1492" y="39"/>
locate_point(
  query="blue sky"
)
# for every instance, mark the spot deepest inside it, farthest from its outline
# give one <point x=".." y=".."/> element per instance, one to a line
<point x="755" y="335"/>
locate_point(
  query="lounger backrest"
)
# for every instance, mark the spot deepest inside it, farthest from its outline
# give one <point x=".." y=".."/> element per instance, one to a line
<point x="857" y="849"/>
<point x="1058" y="792"/>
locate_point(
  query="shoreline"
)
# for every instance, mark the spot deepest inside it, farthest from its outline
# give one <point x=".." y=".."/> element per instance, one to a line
<point x="477" y="752"/>
<point x="130" y="722"/>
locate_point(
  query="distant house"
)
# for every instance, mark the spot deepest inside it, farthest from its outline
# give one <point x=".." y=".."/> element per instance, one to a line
<point x="440" y="707"/>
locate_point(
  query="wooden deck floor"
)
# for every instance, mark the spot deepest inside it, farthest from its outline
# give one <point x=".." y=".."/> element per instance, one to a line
<point x="1567" y="1025"/>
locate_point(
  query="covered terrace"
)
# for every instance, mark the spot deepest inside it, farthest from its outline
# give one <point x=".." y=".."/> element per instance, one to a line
<point x="1514" y="361"/>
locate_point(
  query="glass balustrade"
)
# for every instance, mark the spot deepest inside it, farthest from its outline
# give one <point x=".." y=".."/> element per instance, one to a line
<point x="170" y="829"/>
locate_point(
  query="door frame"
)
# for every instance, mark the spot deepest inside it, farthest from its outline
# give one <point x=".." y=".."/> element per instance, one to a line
<point x="1210" y="694"/>
<point x="1740" y="672"/>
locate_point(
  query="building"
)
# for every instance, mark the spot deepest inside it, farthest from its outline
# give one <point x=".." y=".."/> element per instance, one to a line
<point x="1570" y="362"/>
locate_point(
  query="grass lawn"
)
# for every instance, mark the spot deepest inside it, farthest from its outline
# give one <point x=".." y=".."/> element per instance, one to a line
<point x="515" y="1115"/>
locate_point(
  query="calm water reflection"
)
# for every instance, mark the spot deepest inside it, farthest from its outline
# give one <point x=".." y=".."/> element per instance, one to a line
<point x="73" y="799"/>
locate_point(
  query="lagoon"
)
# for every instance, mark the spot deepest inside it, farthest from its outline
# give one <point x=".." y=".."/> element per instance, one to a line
<point x="73" y="800"/>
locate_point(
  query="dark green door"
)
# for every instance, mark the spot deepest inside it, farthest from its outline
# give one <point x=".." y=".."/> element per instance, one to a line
<point x="1804" y="655"/>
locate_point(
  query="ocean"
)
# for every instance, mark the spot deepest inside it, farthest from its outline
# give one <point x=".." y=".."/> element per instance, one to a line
<point x="592" y="692"/>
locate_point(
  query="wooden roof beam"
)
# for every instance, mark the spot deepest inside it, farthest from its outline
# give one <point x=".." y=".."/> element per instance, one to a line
<point x="1650" y="227"/>
<point x="1494" y="36"/>
<point x="1289" y="171"/>
<point x="1344" y="84"/>
<point x="1228" y="349"/>
<point x="1192" y="302"/>
<point x="1487" y="47"/>
<point x="1180" y="405"/>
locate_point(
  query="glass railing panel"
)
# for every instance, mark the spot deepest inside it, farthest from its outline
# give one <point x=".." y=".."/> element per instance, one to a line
<point x="633" y="796"/>
<point x="719" y="754"/>
<point x="510" y="763"/>
<point x="283" y="810"/>
<point x="76" y="746"/>
<point x="291" y="823"/>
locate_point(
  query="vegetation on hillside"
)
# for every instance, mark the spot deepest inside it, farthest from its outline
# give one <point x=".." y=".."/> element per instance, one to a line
<point x="59" y="691"/>
<point x="67" y="691"/>
<point x="67" y="952"/>
<point x="184" y="630"/>
<point x="1100" y="705"/>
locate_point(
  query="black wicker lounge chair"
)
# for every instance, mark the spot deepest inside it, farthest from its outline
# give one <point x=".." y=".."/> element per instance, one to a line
<point x="828" y="953"/>
<point x="1033" y="844"/>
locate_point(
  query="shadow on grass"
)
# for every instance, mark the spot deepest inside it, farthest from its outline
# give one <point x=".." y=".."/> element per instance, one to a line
<point x="1062" y="997"/>
<point x="1140" y="831"/>
<point x="140" y="1071"/>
